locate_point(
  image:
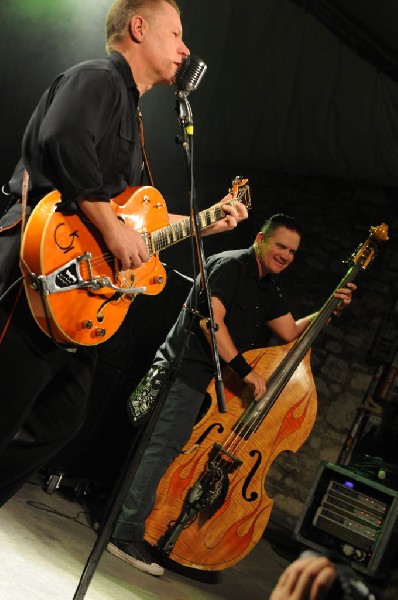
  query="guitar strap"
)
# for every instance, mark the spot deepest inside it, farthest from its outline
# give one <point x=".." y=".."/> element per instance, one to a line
<point x="25" y="267"/>
<point x="13" y="247"/>
<point x="144" y="154"/>
<point x="24" y="201"/>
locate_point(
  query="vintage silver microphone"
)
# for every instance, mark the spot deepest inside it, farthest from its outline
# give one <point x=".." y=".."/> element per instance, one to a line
<point x="190" y="74"/>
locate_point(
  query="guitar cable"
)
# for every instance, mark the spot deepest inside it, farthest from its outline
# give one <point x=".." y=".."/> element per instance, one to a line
<point x="11" y="287"/>
<point x="186" y="277"/>
<point x="3" y="296"/>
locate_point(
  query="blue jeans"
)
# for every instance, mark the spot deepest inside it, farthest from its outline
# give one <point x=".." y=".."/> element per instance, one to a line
<point x="171" y="432"/>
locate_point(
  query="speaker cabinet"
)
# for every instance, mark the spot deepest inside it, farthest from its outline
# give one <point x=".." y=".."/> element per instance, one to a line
<point x="352" y="516"/>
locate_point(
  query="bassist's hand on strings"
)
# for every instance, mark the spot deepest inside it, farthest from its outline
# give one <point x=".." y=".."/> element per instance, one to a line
<point x="257" y="382"/>
<point x="345" y="295"/>
<point x="229" y="353"/>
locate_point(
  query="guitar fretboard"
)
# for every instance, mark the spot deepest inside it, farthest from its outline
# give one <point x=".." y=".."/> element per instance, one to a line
<point x="180" y="230"/>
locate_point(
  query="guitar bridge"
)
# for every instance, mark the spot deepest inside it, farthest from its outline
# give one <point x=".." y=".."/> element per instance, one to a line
<point x="68" y="277"/>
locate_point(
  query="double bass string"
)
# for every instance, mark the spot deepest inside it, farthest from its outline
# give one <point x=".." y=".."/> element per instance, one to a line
<point x="251" y="419"/>
<point x="238" y="437"/>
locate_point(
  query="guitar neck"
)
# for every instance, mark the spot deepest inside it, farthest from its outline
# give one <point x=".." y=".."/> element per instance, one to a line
<point x="180" y="230"/>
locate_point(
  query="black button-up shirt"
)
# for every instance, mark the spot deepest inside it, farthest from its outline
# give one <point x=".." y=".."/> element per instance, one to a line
<point x="249" y="302"/>
<point x="82" y="138"/>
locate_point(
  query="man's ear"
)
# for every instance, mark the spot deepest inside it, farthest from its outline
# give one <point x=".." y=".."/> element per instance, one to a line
<point x="259" y="238"/>
<point x="136" y="29"/>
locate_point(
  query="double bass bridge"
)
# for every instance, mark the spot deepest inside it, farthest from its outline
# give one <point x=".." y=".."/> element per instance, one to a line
<point x="208" y="492"/>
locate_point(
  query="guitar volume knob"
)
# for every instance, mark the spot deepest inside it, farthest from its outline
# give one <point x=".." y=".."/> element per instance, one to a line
<point x="100" y="332"/>
<point x="87" y="324"/>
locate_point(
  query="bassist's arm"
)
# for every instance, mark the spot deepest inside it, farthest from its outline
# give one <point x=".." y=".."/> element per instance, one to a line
<point x="227" y="349"/>
<point x="288" y="329"/>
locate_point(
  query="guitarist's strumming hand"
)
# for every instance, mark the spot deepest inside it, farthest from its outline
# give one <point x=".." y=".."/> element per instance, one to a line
<point x="234" y="214"/>
<point x="122" y="241"/>
<point x="127" y="245"/>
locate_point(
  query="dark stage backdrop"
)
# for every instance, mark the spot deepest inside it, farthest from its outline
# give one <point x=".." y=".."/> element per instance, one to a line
<point x="283" y="93"/>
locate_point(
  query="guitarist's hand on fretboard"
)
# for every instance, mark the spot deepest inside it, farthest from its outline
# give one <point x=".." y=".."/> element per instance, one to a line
<point x="235" y="213"/>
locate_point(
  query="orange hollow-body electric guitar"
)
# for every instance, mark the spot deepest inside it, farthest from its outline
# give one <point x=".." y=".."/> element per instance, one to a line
<point x="75" y="288"/>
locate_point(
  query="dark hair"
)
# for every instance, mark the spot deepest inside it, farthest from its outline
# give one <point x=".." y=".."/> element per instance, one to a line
<point x="280" y="220"/>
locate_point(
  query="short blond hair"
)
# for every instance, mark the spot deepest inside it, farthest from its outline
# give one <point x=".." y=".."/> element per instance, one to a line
<point x="120" y="14"/>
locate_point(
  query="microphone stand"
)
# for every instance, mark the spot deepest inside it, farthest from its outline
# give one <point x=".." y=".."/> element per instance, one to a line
<point x="139" y="445"/>
<point x="184" y="114"/>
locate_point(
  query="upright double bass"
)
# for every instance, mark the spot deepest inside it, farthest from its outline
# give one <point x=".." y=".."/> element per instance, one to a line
<point x="211" y="506"/>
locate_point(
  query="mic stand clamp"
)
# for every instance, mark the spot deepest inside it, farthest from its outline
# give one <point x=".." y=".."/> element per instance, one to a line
<point x="184" y="113"/>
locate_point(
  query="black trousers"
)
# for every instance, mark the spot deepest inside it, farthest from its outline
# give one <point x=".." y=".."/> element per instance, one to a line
<point x="43" y="395"/>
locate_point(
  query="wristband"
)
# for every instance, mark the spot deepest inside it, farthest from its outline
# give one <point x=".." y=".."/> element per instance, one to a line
<point x="240" y="366"/>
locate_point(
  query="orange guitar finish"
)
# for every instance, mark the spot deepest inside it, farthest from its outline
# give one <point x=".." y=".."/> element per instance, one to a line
<point x="51" y="239"/>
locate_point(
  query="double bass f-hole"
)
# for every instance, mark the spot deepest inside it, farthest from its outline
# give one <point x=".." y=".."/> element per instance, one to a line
<point x="253" y="495"/>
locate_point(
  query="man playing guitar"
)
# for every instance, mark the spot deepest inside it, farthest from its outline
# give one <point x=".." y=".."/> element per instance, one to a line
<point x="82" y="140"/>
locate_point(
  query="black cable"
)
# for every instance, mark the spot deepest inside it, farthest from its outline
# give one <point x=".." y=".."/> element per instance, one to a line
<point x="11" y="287"/>
<point x="49" y="509"/>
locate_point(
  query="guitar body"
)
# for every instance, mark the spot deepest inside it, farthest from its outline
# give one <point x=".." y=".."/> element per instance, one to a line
<point x="82" y="315"/>
<point x="75" y="288"/>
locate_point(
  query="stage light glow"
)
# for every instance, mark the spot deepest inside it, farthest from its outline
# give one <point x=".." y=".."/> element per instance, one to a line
<point x="39" y="8"/>
<point x="50" y="11"/>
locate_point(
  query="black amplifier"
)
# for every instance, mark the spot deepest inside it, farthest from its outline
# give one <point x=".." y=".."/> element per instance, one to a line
<point x="352" y="516"/>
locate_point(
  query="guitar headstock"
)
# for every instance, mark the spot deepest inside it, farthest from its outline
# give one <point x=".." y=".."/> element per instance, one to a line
<point x="240" y="191"/>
